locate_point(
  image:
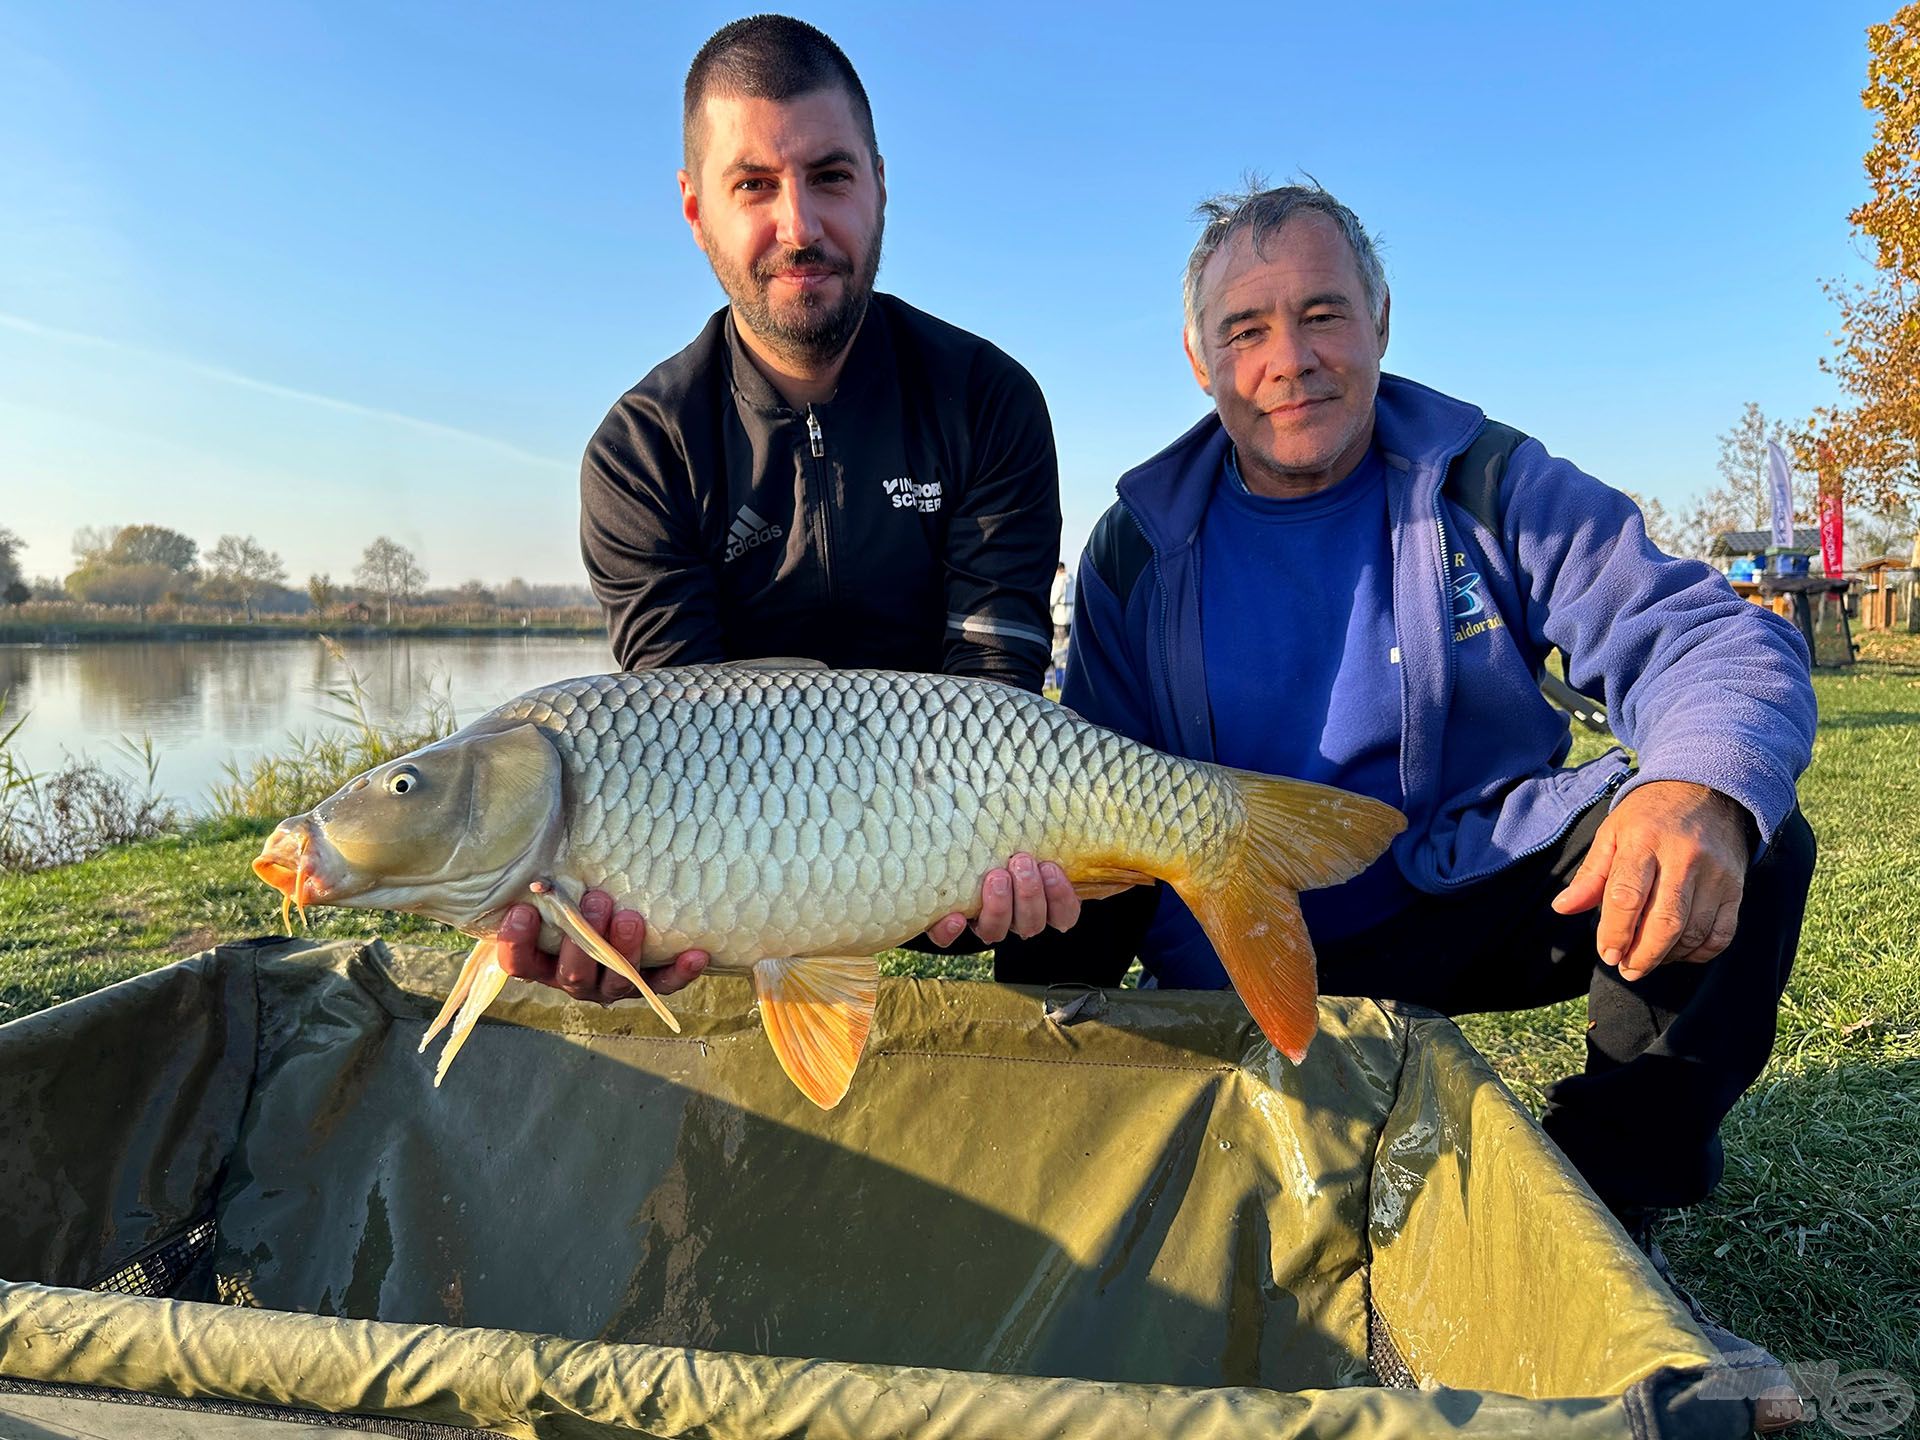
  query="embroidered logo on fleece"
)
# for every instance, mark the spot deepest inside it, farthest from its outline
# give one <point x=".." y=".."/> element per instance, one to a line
<point x="1471" y="614"/>
<point x="906" y="495"/>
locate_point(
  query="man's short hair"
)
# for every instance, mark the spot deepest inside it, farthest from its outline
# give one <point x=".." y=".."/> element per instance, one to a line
<point x="766" y="57"/>
<point x="1260" y="213"/>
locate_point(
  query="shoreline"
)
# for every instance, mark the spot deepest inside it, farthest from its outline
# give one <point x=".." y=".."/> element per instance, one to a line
<point x="80" y="632"/>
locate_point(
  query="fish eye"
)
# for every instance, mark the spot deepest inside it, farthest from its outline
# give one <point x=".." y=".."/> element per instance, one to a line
<point x="402" y="780"/>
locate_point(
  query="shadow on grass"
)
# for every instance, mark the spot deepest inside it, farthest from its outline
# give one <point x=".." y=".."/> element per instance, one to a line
<point x="1872" y="720"/>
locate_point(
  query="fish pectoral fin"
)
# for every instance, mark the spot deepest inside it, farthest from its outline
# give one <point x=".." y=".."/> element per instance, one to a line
<point x="477" y="988"/>
<point x="564" y="914"/>
<point x="817" y="1011"/>
<point x="477" y="959"/>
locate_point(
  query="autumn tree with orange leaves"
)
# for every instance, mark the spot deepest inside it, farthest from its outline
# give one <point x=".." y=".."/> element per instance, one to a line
<point x="1873" y="441"/>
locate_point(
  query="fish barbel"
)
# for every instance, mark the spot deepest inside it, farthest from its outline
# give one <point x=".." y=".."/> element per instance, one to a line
<point x="792" y="821"/>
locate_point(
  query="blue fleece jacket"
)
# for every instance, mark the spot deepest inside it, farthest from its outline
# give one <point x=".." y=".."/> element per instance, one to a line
<point x="1702" y="684"/>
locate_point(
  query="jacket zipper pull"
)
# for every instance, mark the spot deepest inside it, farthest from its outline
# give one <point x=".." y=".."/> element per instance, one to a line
<point x="813" y="434"/>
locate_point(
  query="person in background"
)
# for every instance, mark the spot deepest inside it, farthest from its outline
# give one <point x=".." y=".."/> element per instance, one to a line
<point x="825" y="472"/>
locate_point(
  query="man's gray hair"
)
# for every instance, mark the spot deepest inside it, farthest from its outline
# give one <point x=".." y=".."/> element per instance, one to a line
<point x="1261" y="212"/>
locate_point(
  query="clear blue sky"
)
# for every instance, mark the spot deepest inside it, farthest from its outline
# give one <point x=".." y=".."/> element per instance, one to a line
<point x="318" y="272"/>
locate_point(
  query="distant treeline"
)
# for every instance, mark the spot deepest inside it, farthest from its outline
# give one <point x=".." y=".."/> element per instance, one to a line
<point x="153" y="575"/>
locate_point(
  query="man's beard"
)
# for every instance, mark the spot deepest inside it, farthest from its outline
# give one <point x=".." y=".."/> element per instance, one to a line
<point x="808" y="329"/>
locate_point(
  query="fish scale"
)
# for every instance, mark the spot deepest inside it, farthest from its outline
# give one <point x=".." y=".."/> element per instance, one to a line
<point x="916" y="786"/>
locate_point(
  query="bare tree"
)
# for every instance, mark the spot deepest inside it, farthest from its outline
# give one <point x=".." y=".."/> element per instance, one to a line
<point x="239" y="568"/>
<point x="391" y="571"/>
<point x="1743" y="468"/>
<point x="91" y="543"/>
<point x="1884" y="530"/>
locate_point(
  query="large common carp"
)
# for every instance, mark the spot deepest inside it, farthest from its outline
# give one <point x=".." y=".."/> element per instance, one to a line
<point x="792" y="821"/>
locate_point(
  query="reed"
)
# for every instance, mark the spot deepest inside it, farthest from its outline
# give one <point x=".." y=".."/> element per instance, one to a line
<point x="78" y="810"/>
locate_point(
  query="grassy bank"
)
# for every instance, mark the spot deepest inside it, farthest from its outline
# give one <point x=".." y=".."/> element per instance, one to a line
<point x="1812" y="1245"/>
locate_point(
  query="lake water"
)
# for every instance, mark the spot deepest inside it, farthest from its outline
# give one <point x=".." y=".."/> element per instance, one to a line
<point x="204" y="704"/>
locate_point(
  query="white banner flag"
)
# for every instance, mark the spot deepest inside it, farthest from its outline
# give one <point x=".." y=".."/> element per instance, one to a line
<point x="1780" y="480"/>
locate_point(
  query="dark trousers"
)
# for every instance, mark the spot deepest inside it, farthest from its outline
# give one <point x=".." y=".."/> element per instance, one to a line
<point x="1667" y="1055"/>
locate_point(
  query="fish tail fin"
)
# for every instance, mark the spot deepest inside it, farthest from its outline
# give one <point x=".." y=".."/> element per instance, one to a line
<point x="482" y="984"/>
<point x="1297" y="836"/>
<point x="817" y="1011"/>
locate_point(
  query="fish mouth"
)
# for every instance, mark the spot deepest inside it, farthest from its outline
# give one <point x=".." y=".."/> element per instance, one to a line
<point x="287" y="864"/>
<point x="300" y="886"/>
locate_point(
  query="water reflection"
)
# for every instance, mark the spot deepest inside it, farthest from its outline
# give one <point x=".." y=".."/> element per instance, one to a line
<point x="16" y="670"/>
<point x="145" y="687"/>
<point x="205" y="704"/>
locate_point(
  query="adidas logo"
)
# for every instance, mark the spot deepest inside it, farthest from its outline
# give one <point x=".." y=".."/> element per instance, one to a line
<point x="749" y="528"/>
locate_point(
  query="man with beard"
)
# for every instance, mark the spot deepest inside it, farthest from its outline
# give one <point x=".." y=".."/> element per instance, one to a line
<point x="825" y="471"/>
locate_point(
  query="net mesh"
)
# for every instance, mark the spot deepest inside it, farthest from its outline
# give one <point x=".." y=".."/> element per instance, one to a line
<point x="165" y="1271"/>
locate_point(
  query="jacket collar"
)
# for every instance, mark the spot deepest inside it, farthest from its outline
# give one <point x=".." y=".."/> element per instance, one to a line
<point x="1417" y="428"/>
<point x="870" y="357"/>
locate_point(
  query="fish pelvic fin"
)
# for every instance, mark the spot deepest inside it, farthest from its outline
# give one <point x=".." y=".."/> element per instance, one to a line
<point x="817" y="1011"/>
<point x="478" y="986"/>
<point x="566" y="916"/>
<point x="1297" y="836"/>
<point x="478" y="959"/>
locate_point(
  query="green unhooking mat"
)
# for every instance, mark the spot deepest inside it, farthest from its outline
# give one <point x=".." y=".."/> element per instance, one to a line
<point x="231" y="1185"/>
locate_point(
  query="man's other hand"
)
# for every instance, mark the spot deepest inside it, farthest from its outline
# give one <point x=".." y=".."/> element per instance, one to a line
<point x="1023" y="899"/>
<point x="578" y="973"/>
<point x="1667" y="869"/>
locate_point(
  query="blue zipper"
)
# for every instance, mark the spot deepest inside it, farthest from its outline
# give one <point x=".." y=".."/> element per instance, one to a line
<point x="1614" y="782"/>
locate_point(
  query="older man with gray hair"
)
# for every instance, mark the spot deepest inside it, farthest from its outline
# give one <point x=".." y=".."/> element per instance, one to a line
<point x="1347" y="577"/>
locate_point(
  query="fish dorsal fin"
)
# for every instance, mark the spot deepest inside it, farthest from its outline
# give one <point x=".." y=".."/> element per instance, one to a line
<point x="781" y="662"/>
<point x="817" y="1011"/>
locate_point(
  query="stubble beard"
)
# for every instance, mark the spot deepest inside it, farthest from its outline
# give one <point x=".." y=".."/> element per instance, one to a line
<point x="809" y="330"/>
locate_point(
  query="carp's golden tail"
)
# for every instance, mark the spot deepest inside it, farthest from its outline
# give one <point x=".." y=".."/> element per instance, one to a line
<point x="1298" y="836"/>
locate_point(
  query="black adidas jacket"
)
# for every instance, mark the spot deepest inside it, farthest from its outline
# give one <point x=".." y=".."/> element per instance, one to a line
<point x="911" y="523"/>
